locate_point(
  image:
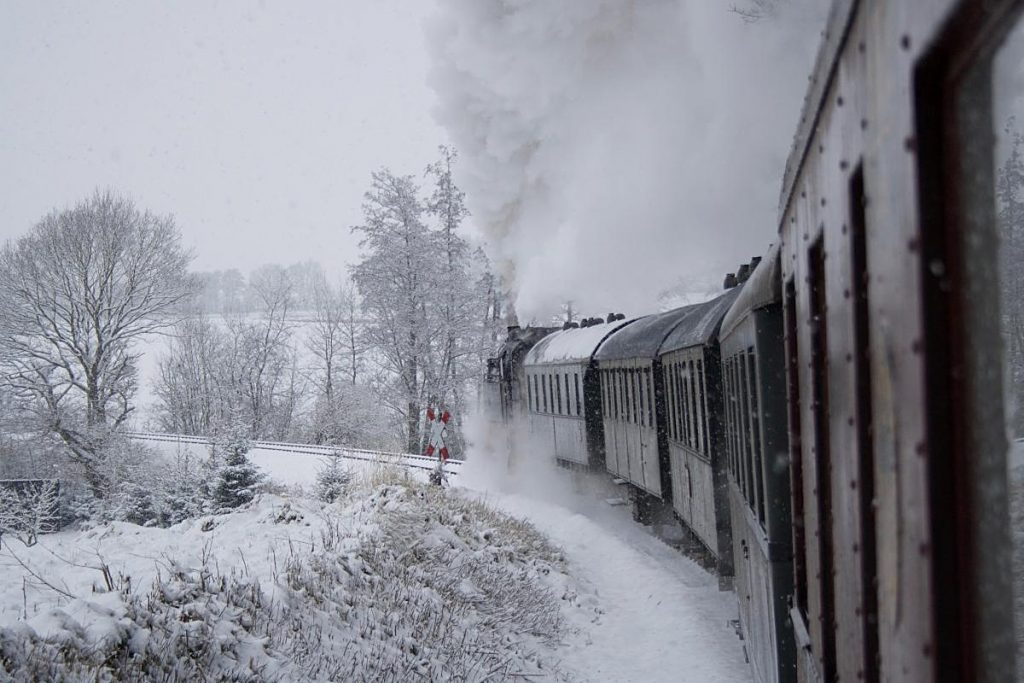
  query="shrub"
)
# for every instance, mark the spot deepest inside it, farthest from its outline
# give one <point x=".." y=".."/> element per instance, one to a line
<point x="332" y="479"/>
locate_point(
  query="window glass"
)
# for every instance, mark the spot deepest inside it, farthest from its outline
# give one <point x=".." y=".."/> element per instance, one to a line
<point x="650" y="397"/>
<point x="1008" y="159"/>
<point x="579" y="404"/>
<point x="705" y="438"/>
<point x="755" y="435"/>
<point x="698" y="399"/>
<point x="557" y="380"/>
<point x="642" y="394"/>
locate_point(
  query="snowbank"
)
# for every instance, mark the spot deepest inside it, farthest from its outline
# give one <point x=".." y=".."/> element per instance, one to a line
<point x="397" y="581"/>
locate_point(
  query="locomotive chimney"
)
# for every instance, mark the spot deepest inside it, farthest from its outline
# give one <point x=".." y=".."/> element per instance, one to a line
<point x="743" y="273"/>
<point x="730" y="281"/>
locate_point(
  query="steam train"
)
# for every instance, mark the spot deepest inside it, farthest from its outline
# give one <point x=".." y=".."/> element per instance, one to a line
<point x="832" y="428"/>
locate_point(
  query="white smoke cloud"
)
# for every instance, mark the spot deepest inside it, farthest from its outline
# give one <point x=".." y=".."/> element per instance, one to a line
<point x="609" y="147"/>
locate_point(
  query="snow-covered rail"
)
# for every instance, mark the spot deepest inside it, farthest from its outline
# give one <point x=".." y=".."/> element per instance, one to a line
<point x="410" y="460"/>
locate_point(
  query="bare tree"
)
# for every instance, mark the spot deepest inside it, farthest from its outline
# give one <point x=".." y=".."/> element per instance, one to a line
<point x="75" y="294"/>
<point x="191" y="387"/>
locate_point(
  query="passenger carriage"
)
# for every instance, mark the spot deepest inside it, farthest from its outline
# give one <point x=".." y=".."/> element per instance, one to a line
<point x="757" y="449"/>
<point x="563" y="396"/>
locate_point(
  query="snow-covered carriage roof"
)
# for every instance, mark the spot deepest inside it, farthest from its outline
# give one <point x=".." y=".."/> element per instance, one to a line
<point x="763" y="288"/>
<point x="643" y="338"/>
<point x="701" y="326"/>
<point x="575" y="344"/>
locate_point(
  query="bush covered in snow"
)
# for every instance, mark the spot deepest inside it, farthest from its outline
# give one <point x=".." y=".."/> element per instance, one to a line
<point x="29" y="508"/>
<point x="405" y="582"/>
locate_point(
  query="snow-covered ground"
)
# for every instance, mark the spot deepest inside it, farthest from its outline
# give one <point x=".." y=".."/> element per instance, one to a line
<point x="630" y="607"/>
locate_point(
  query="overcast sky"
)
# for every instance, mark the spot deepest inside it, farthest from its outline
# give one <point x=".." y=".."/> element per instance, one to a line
<point x="256" y="124"/>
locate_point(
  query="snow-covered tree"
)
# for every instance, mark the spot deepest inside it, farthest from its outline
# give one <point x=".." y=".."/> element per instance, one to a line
<point x="76" y="293"/>
<point x="395" y="283"/>
<point x="238" y="480"/>
<point x="332" y="479"/>
<point x="428" y="296"/>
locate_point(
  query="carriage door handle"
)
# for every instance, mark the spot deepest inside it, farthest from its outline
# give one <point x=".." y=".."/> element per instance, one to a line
<point x="746" y="548"/>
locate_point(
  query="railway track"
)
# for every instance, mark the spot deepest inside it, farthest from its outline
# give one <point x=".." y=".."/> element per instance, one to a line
<point x="409" y="460"/>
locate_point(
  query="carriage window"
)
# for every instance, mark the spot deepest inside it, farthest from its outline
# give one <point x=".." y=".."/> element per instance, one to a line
<point x="579" y="405"/>
<point x="1008" y="166"/>
<point x="675" y="399"/>
<point x="544" y="390"/>
<point x="755" y="429"/>
<point x="671" y="383"/>
<point x="698" y="413"/>
<point x="614" y="378"/>
<point x="617" y="393"/>
<point x="705" y="424"/>
<point x="650" y="398"/>
<point x="697" y="399"/>
<point x="633" y="395"/>
<point x="865" y="443"/>
<point x="638" y="383"/>
<point x="669" y="403"/>
<point x="726" y="402"/>
<point x="557" y="380"/>
<point x="685" y="406"/>
<point x="726" y="397"/>
<point x="796" y="474"/>
<point x="568" y="396"/>
<point x="734" y="419"/>
<point x="822" y="454"/>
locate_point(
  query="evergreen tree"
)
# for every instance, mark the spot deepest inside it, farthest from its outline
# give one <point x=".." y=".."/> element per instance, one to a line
<point x="332" y="479"/>
<point x="238" y="479"/>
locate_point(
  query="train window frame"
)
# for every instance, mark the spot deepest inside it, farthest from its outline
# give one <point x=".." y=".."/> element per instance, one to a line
<point x="698" y="390"/>
<point x="966" y="432"/>
<point x="675" y="399"/>
<point x="796" y="475"/>
<point x="730" y="421"/>
<point x="705" y="421"/>
<point x="730" y="451"/>
<point x="695" y="409"/>
<point x="633" y="394"/>
<point x="568" y="396"/>
<point x="757" y="443"/>
<point x="579" y="405"/>
<point x="650" y="397"/>
<point x="639" y="417"/>
<point x="559" y="399"/>
<point x="741" y="430"/>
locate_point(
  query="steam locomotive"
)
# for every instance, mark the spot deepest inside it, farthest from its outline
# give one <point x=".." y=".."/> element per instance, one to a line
<point x="832" y="429"/>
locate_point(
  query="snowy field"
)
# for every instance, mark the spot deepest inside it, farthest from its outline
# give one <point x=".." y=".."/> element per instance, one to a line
<point x="398" y="581"/>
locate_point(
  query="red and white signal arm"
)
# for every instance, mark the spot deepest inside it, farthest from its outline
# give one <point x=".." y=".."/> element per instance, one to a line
<point x="437" y="429"/>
